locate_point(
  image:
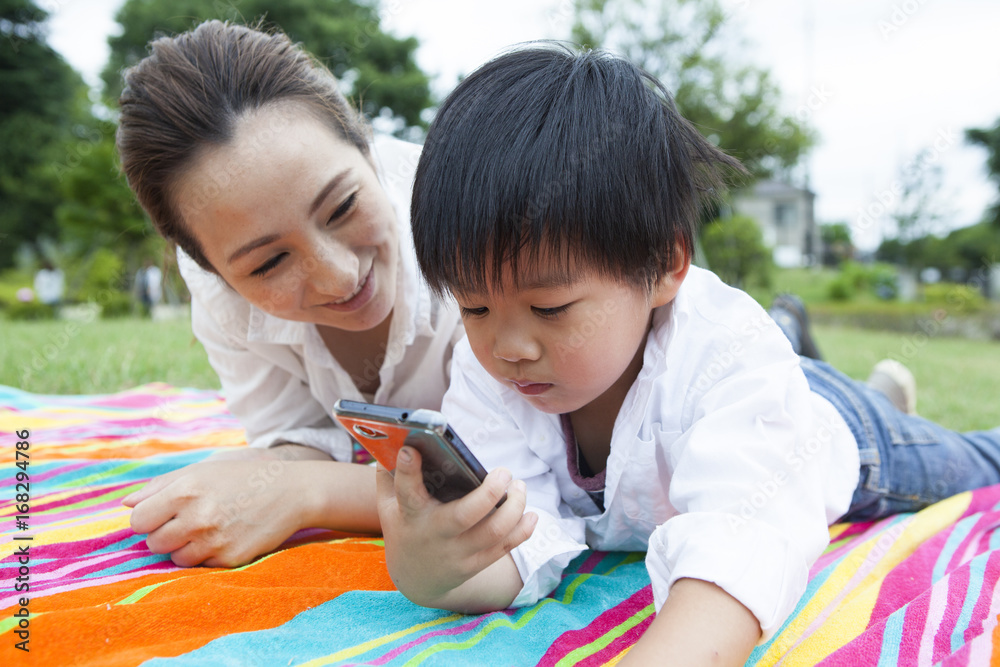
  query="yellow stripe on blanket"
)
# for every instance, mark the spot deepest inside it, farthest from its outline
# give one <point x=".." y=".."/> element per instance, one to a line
<point x="95" y="526"/>
<point x="849" y="617"/>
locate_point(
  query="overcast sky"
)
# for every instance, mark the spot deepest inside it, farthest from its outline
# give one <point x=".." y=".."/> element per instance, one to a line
<point x="878" y="79"/>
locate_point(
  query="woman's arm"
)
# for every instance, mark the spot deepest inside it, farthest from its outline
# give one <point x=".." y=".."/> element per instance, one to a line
<point x="225" y="513"/>
<point x="243" y="502"/>
<point x="699" y="624"/>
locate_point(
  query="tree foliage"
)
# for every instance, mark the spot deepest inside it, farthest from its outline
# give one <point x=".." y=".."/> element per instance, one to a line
<point x="969" y="248"/>
<point x="681" y="42"/>
<point x="838" y="245"/>
<point x="97" y="209"/>
<point x="42" y="99"/>
<point x="989" y="138"/>
<point x="917" y="208"/>
<point x="345" y="35"/>
<point x="735" y="250"/>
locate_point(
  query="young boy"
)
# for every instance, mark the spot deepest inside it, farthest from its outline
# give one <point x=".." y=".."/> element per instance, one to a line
<point x="639" y="402"/>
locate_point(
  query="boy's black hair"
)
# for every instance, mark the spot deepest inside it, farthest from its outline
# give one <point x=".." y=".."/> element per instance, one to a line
<point x="582" y="154"/>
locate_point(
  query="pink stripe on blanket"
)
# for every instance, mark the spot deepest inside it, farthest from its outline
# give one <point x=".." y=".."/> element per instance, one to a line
<point x="572" y="639"/>
<point x="83" y="494"/>
<point x="983" y="613"/>
<point x="592" y="561"/>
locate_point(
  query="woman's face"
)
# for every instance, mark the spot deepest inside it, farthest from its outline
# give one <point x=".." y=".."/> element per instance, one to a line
<point x="295" y="220"/>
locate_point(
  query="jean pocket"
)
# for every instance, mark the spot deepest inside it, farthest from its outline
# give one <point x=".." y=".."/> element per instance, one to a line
<point x="907" y="430"/>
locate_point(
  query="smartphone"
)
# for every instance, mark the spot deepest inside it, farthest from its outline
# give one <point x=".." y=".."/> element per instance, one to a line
<point x="450" y="469"/>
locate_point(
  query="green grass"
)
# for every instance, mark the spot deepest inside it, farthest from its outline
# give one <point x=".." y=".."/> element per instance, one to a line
<point x="956" y="378"/>
<point x="101" y="356"/>
<point x="809" y="284"/>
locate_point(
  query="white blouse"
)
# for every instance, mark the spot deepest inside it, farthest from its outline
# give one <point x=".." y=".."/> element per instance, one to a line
<point x="723" y="463"/>
<point x="278" y="376"/>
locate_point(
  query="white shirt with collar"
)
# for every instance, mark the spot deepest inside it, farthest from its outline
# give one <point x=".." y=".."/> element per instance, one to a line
<point x="723" y="463"/>
<point x="278" y="376"/>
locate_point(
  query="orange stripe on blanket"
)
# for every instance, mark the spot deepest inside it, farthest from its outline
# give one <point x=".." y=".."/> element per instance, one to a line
<point x="112" y="448"/>
<point x="176" y="612"/>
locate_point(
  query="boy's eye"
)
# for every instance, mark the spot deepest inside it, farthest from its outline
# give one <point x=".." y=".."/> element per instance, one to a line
<point x="551" y="313"/>
<point x="474" y="312"/>
<point x="266" y="267"/>
<point x="344" y="208"/>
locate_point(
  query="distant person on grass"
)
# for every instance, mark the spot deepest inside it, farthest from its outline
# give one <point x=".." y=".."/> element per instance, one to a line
<point x="148" y="286"/>
<point x="293" y="230"/>
<point x="623" y="398"/>
<point x="50" y="284"/>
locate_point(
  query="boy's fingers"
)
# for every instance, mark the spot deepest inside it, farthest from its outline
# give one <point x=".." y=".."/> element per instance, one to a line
<point x="411" y="493"/>
<point x="471" y="509"/>
<point x="385" y="490"/>
<point x="521" y="532"/>
<point x="499" y="527"/>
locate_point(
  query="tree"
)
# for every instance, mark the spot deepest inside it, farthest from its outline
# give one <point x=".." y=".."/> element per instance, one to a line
<point x="976" y="246"/>
<point x="989" y="138"/>
<point x="969" y="248"/>
<point x="837" y="243"/>
<point x="735" y="251"/>
<point x="42" y="99"/>
<point x="97" y="209"/>
<point x="344" y="34"/>
<point x="917" y="208"/>
<point x="681" y="43"/>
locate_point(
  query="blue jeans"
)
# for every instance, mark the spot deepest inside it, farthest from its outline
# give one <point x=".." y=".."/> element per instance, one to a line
<point x="907" y="462"/>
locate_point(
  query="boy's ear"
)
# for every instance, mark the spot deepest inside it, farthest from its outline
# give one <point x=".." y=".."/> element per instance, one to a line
<point x="666" y="287"/>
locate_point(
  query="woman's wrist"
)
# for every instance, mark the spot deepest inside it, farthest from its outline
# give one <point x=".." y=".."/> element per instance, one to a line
<point x="334" y="495"/>
<point x="290" y="451"/>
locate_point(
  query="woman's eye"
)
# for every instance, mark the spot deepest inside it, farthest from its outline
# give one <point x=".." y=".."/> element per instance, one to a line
<point x="266" y="267"/>
<point x="474" y="312"/>
<point x="344" y="208"/>
<point x="551" y="313"/>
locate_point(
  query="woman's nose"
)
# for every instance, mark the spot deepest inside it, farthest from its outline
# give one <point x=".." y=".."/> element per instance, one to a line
<point x="333" y="270"/>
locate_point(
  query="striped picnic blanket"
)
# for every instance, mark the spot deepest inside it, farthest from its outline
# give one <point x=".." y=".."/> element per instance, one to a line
<point x="78" y="587"/>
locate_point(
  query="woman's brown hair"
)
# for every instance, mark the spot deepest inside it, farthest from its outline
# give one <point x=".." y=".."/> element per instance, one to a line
<point x="191" y="91"/>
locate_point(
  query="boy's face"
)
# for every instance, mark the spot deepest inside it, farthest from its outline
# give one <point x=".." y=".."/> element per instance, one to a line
<point x="562" y="339"/>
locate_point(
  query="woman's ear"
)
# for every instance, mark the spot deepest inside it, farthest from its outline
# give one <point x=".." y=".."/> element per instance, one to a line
<point x="666" y="287"/>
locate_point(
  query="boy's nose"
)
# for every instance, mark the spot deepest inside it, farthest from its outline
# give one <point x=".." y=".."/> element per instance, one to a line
<point x="513" y="346"/>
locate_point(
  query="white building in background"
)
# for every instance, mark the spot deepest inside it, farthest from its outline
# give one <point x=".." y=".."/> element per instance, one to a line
<point x="785" y="215"/>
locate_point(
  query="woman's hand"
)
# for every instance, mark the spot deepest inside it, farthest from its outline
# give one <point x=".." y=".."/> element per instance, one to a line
<point x="224" y="513"/>
<point x="452" y="555"/>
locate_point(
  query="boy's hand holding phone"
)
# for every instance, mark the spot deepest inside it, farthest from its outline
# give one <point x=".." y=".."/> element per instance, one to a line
<point x="452" y="555"/>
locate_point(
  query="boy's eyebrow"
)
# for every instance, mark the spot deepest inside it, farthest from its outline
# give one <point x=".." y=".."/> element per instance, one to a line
<point x="548" y="280"/>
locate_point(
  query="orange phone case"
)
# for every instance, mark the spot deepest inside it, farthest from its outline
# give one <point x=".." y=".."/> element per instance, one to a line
<point x="383" y="441"/>
<point x="450" y="470"/>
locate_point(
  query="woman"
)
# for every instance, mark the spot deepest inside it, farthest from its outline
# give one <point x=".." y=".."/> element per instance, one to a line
<point x="293" y="235"/>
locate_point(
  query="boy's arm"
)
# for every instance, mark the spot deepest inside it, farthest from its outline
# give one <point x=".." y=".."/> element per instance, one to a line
<point x="455" y="555"/>
<point x="699" y="624"/>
